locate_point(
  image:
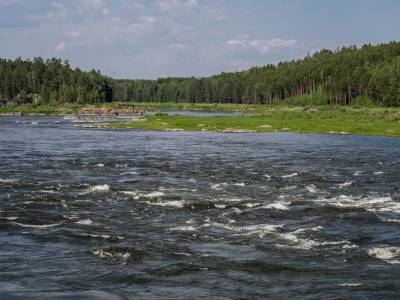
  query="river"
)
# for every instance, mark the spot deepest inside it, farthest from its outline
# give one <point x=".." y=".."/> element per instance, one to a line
<point x="121" y="214"/>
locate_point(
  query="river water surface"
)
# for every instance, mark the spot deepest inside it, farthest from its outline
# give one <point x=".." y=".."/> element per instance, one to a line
<point x="117" y="214"/>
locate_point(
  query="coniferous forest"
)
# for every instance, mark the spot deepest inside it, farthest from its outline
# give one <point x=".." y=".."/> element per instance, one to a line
<point x="350" y="75"/>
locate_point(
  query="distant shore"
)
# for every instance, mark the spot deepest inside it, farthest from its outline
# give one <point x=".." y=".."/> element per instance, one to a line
<point x="317" y="119"/>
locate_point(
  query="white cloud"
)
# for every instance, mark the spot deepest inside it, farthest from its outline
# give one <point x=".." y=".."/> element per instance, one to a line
<point x="177" y="6"/>
<point x="8" y="2"/>
<point x="262" y="46"/>
<point x="60" y="47"/>
<point x="179" y="46"/>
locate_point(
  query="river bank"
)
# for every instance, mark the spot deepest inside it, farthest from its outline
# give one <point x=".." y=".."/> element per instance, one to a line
<point x="244" y="118"/>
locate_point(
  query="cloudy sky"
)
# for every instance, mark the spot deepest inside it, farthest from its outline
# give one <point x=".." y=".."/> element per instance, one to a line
<point x="157" y="38"/>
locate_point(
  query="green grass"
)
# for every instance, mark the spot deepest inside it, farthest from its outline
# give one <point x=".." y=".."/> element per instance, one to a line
<point x="316" y="120"/>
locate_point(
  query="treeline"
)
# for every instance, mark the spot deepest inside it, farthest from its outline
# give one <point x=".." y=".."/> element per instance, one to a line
<point x="51" y="81"/>
<point x="366" y="75"/>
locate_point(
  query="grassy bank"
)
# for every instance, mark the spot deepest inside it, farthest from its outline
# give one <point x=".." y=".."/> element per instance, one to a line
<point x="371" y="121"/>
<point x="315" y="119"/>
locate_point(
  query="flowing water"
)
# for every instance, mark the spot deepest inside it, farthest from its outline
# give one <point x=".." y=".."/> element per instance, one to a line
<point x="117" y="214"/>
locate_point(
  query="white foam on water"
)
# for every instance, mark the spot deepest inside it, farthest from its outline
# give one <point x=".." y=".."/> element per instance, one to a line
<point x="100" y="188"/>
<point x="182" y="253"/>
<point x="103" y="236"/>
<point x="192" y="180"/>
<point x="153" y="195"/>
<point x="390" y="255"/>
<point x="357" y="173"/>
<point x="220" y="206"/>
<point x="7" y="180"/>
<point x="129" y="173"/>
<point x="378" y="173"/>
<point x="277" y="205"/>
<point x="350" y="246"/>
<point x="117" y="255"/>
<point x="84" y="222"/>
<point x="346" y="184"/>
<point x="10" y="218"/>
<point x="260" y="230"/>
<point x="48" y="191"/>
<point x="35" y="226"/>
<point x="175" y="203"/>
<point x="100" y="165"/>
<point x="218" y="186"/>
<point x="377" y="205"/>
<point x="121" y="165"/>
<point x="349" y="284"/>
<point x="289" y="175"/>
<point x="267" y="177"/>
<point x="184" y="228"/>
<point x="252" y="205"/>
<point x="239" y="184"/>
<point x="311" y="188"/>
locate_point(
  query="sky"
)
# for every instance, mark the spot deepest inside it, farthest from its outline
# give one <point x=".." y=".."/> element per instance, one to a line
<point x="147" y="39"/>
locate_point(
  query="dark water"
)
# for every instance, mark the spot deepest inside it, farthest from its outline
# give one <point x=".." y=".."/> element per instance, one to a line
<point x="114" y="214"/>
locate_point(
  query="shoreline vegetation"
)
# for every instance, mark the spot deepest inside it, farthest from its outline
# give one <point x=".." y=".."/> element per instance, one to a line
<point x="250" y="118"/>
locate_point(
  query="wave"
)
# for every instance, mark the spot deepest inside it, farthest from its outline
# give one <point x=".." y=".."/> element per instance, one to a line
<point x="97" y="188"/>
<point x="100" y="188"/>
<point x="290" y="175"/>
<point x="123" y="254"/>
<point x="267" y="177"/>
<point x="311" y="188"/>
<point x="153" y="195"/>
<point x="176" y="203"/>
<point x="8" y="180"/>
<point x="390" y="255"/>
<point x="129" y="173"/>
<point x="84" y="222"/>
<point x="277" y="205"/>
<point x="184" y="228"/>
<point x="43" y="226"/>
<point x="103" y="236"/>
<point x="350" y="284"/>
<point x="218" y="186"/>
<point x="378" y="205"/>
<point x="346" y="184"/>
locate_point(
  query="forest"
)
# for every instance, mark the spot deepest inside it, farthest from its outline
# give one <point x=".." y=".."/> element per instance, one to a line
<point x="51" y="81"/>
<point x="366" y="75"/>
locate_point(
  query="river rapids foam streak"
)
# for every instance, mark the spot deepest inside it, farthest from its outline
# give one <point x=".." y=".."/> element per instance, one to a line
<point x="116" y="214"/>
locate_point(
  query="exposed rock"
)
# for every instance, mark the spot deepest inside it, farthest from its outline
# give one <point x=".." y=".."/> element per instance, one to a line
<point x="236" y="130"/>
<point x="174" y="129"/>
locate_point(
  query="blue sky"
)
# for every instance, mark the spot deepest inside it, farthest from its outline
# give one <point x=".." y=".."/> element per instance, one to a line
<point x="158" y="38"/>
